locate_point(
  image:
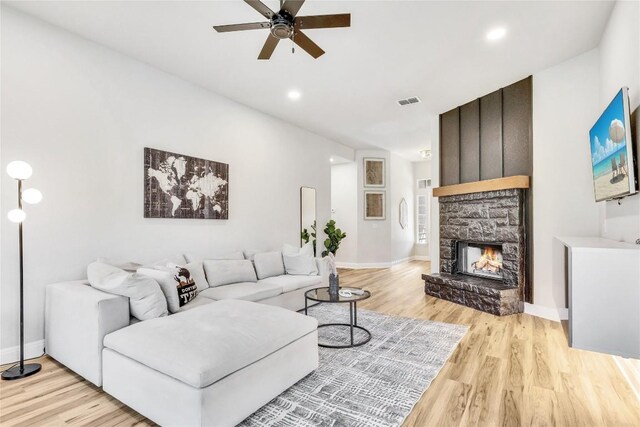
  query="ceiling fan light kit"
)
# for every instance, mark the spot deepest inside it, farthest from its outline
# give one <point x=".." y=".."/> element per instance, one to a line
<point x="286" y="25"/>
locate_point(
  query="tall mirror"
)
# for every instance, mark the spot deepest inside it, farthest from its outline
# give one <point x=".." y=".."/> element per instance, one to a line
<point x="307" y="215"/>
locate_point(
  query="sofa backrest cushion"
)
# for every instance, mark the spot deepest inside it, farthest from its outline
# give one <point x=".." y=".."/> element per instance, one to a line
<point x="268" y="264"/>
<point x="191" y="257"/>
<point x="146" y="300"/>
<point x="177" y="284"/>
<point x="226" y="272"/>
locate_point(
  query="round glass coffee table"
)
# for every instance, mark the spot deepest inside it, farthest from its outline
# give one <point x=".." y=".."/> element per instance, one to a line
<point x="323" y="295"/>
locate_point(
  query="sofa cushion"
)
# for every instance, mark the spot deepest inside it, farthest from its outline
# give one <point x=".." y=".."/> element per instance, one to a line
<point x="268" y="264"/>
<point x="299" y="261"/>
<point x="203" y="345"/>
<point x="225" y="272"/>
<point x="146" y="300"/>
<point x="290" y="283"/>
<point x="196" y="302"/>
<point x="191" y="257"/>
<point x="178" y="286"/>
<point x="248" y="291"/>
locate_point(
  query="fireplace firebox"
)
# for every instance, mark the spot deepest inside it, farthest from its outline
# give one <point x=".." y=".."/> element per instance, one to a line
<point x="479" y="259"/>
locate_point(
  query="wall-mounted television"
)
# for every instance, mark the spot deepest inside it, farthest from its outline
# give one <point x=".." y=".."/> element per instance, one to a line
<point x="612" y="160"/>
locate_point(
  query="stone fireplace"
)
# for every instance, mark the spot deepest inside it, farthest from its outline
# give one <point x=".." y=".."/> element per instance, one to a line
<point x="482" y="245"/>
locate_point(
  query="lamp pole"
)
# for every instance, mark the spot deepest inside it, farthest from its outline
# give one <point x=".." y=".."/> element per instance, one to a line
<point x="19" y="173"/>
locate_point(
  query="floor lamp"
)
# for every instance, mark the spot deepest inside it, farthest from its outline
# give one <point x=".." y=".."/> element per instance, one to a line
<point x="20" y="171"/>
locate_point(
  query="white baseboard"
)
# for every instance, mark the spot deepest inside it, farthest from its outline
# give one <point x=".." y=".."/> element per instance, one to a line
<point x="550" y="313"/>
<point x="363" y="265"/>
<point x="12" y="354"/>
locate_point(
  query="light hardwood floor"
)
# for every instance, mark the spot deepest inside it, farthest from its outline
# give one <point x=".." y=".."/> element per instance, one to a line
<point x="509" y="371"/>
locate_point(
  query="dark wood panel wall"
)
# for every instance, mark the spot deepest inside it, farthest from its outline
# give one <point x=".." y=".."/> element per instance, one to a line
<point x="491" y="137"/>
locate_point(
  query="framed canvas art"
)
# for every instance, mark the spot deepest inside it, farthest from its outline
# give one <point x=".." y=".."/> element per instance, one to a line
<point x="374" y="205"/>
<point x="373" y="172"/>
<point x="179" y="186"/>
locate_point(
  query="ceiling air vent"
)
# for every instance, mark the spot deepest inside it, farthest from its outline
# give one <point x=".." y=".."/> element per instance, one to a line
<point x="412" y="100"/>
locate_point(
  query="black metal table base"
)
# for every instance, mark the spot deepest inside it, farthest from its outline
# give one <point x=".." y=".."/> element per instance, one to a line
<point x="352" y="344"/>
<point x="353" y="324"/>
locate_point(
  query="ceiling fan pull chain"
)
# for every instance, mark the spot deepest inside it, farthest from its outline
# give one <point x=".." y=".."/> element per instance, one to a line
<point x="293" y="46"/>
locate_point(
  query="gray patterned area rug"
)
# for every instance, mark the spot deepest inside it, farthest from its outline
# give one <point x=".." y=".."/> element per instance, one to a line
<point x="376" y="384"/>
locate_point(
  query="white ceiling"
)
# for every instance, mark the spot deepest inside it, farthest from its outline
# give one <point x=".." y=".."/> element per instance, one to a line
<point x="393" y="50"/>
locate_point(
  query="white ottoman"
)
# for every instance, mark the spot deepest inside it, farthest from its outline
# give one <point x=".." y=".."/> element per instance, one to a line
<point x="213" y="365"/>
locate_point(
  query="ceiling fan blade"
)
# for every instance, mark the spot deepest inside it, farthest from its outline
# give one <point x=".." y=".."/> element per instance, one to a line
<point x="261" y="8"/>
<point x="269" y="47"/>
<point x="307" y="44"/>
<point x="241" y="27"/>
<point x="323" y="21"/>
<point x="292" y="6"/>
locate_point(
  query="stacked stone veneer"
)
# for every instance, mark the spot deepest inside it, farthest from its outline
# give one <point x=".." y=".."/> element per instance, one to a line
<point x="495" y="217"/>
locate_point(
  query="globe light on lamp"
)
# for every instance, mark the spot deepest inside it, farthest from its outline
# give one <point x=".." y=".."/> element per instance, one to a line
<point x="16" y="215"/>
<point x="32" y="196"/>
<point x="19" y="170"/>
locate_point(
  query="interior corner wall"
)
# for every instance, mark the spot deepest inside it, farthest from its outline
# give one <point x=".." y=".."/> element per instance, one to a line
<point x="81" y="114"/>
<point x="374" y="236"/>
<point x="344" y="210"/>
<point x="422" y="170"/>
<point x="434" y="235"/>
<point x="401" y="187"/>
<point x="620" y="66"/>
<point x="565" y="105"/>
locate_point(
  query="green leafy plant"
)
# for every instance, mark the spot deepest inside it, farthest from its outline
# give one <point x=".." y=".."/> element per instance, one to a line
<point x="334" y="237"/>
<point x="306" y="236"/>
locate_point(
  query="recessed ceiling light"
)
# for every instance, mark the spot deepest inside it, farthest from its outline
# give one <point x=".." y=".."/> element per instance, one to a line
<point x="294" y="94"/>
<point x="331" y="159"/>
<point x="496" y="34"/>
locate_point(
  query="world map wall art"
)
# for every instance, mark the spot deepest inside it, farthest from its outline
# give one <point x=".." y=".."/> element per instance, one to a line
<point x="179" y="186"/>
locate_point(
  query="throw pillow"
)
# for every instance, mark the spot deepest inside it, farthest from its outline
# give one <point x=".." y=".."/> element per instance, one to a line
<point x="176" y="283"/>
<point x="299" y="261"/>
<point x="190" y="257"/>
<point x="146" y="300"/>
<point x="123" y="265"/>
<point x="268" y="264"/>
<point x="290" y="250"/>
<point x="301" y="265"/>
<point x="197" y="273"/>
<point x="226" y="272"/>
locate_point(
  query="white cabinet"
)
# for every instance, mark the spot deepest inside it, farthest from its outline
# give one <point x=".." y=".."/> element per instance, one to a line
<point x="603" y="295"/>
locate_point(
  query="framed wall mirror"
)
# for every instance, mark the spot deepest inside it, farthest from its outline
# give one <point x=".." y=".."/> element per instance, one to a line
<point x="307" y="215"/>
<point x="404" y="214"/>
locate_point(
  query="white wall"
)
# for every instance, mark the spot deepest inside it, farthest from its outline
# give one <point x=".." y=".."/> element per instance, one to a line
<point x="620" y="66"/>
<point x="421" y="170"/>
<point x="401" y="187"/>
<point x="373" y="235"/>
<point x="434" y="247"/>
<point x="565" y="102"/>
<point x="81" y="115"/>
<point x="344" y="209"/>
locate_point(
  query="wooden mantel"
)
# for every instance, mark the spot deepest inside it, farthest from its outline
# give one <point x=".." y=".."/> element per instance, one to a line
<point x="518" y="181"/>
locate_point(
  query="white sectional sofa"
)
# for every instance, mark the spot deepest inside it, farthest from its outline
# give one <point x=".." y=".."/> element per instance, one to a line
<point x="214" y="362"/>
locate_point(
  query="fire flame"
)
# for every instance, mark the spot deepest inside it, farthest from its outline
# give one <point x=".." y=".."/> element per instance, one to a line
<point x="490" y="260"/>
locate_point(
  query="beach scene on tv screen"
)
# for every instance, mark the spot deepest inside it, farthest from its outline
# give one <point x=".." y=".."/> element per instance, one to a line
<point x="609" y="152"/>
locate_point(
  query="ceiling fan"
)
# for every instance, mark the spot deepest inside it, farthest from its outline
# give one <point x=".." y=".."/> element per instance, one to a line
<point x="284" y="24"/>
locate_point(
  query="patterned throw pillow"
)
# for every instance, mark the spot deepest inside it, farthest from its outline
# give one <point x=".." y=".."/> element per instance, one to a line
<point x="177" y="284"/>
